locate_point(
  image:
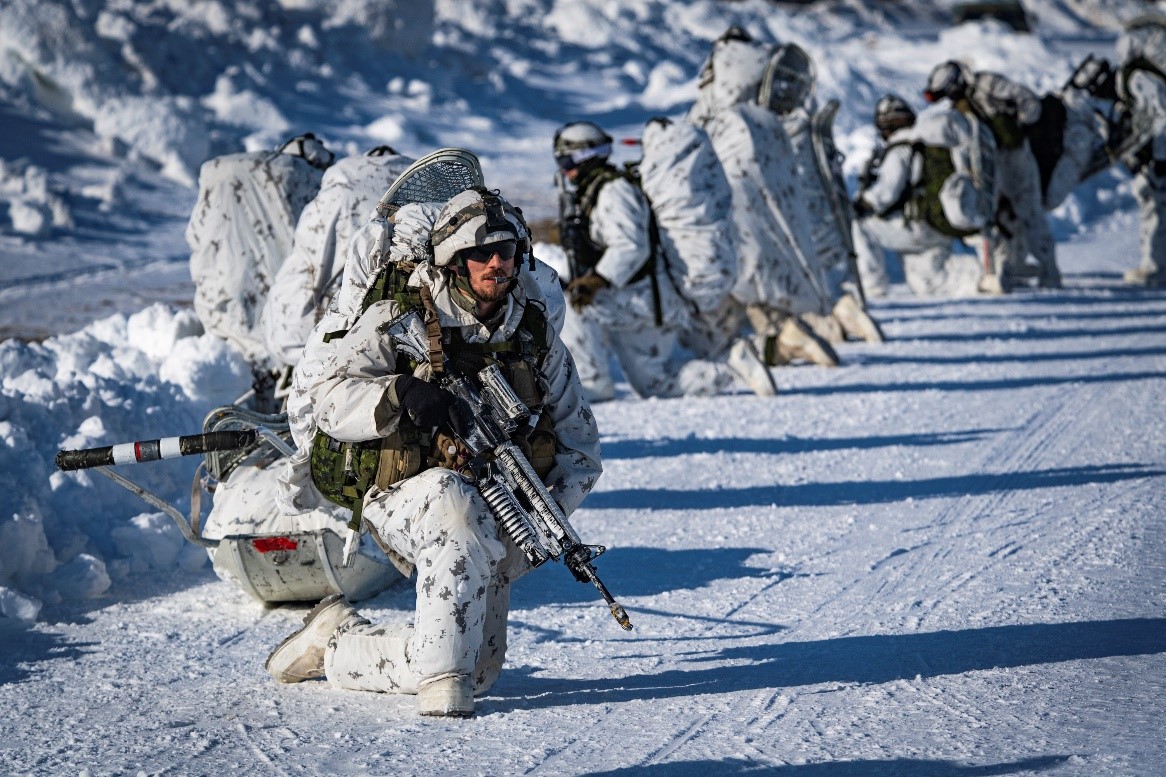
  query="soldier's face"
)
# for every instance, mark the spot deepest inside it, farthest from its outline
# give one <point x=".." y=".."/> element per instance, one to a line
<point x="491" y="270"/>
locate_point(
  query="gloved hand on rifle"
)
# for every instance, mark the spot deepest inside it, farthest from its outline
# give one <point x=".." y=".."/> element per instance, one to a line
<point x="581" y="291"/>
<point x="429" y="405"/>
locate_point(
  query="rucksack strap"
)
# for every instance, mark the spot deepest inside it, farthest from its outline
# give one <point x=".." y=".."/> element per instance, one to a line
<point x="433" y="331"/>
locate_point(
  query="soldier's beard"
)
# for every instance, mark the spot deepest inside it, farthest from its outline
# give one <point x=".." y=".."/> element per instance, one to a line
<point x="492" y="288"/>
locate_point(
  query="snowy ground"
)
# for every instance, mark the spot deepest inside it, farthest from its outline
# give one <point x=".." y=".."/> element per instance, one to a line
<point x="943" y="558"/>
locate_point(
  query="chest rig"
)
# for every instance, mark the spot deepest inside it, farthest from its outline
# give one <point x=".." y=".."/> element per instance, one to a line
<point x="344" y="471"/>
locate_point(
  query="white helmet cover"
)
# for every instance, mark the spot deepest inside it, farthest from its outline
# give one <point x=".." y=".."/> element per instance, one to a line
<point x="579" y="141"/>
<point x="476" y="217"/>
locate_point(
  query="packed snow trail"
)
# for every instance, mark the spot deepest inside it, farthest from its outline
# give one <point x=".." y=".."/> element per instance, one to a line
<point x="943" y="558"/>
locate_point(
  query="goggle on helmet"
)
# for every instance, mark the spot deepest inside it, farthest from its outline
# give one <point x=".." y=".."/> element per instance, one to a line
<point x="474" y="218"/>
<point x="579" y="141"/>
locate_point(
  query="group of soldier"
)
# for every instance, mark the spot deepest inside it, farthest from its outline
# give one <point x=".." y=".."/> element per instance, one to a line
<point x="731" y="248"/>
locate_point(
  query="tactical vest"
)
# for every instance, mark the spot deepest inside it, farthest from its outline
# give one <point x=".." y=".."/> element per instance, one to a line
<point x="588" y="252"/>
<point x="344" y="471"/>
<point x="923" y="203"/>
<point x="1006" y="128"/>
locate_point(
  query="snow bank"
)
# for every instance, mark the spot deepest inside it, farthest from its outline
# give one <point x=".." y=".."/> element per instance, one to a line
<point x="70" y="535"/>
<point x="136" y="70"/>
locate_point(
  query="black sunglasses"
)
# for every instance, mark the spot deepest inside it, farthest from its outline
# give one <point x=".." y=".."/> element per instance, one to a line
<point x="505" y="249"/>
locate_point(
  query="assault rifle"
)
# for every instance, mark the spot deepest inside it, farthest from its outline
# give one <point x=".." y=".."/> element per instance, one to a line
<point x="570" y="226"/>
<point x="536" y="523"/>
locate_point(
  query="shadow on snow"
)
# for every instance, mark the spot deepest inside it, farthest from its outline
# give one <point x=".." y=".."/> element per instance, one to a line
<point x="860" y="492"/>
<point x="623" y="570"/>
<point x="864" y="660"/>
<point x="900" y="767"/>
<point x="638" y="448"/>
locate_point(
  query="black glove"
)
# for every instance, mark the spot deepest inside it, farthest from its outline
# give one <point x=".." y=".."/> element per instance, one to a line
<point x="581" y="291"/>
<point x="430" y="405"/>
<point x="861" y="208"/>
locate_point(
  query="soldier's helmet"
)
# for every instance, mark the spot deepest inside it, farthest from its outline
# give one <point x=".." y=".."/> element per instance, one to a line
<point x="473" y="218"/>
<point x="891" y="113"/>
<point x="788" y="79"/>
<point x="948" y="79"/>
<point x="579" y="142"/>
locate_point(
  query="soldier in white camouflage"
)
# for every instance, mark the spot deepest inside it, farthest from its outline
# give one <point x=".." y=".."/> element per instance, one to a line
<point x="778" y="280"/>
<point x="787" y="88"/>
<point x="1009" y="109"/>
<point x="1141" y="88"/>
<point x="427" y="515"/>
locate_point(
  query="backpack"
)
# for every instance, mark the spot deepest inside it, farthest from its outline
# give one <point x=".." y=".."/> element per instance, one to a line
<point x="241" y="229"/>
<point x="956" y="191"/>
<point x="1142" y="46"/>
<point x="691" y="203"/>
<point x="1007" y="107"/>
<point x="310" y="274"/>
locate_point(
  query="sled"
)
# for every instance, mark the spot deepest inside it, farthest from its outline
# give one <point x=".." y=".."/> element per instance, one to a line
<point x="302" y="566"/>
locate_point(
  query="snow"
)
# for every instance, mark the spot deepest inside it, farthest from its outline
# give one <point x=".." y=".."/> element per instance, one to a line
<point x="943" y="558"/>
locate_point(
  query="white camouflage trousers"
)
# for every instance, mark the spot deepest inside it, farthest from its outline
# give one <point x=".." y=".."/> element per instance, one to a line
<point x="646" y="354"/>
<point x="438" y="522"/>
<point x="1150" y="193"/>
<point x="1019" y="178"/>
<point x="930" y="267"/>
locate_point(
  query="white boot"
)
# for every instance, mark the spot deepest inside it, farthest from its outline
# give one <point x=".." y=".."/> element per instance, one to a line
<point x="746" y="363"/>
<point x="301" y="656"/>
<point x="796" y="340"/>
<point x="447" y="697"/>
<point x="855" y="321"/>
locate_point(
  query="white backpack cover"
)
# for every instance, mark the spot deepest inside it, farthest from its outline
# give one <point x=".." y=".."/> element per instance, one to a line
<point x="692" y="202"/>
<point x="771" y="226"/>
<point x="968" y="195"/>
<point x="241" y="229"/>
<point x="310" y="275"/>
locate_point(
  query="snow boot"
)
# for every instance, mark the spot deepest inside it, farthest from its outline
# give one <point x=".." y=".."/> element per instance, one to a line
<point x="826" y="327"/>
<point x="796" y="340"/>
<point x="301" y="655"/>
<point x="1145" y="276"/>
<point x="747" y="365"/>
<point x="855" y="321"/>
<point x="450" y="697"/>
<point x="994" y="284"/>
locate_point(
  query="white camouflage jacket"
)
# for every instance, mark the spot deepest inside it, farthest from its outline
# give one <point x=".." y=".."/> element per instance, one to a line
<point x="338" y="386"/>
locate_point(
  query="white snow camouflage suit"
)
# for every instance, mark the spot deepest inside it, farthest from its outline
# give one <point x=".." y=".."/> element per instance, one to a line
<point x="1144" y="92"/>
<point x="622" y="317"/>
<point x="373" y="657"/>
<point x="239" y="233"/>
<point x="994" y="99"/>
<point x="771" y="224"/>
<point x="435" y="522"/>
<point x="830" y="245"/>
<point x="1082" y="139"/>
<point x="928" y="263"/>
<point x="348" y="194"/>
